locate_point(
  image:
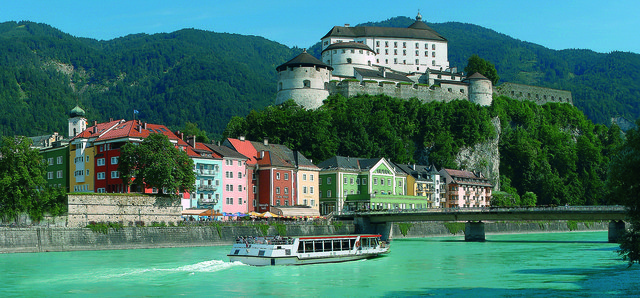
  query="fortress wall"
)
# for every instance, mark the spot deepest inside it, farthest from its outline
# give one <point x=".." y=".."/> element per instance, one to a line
<point x="404" y="91"/>
<point x="84" y="209"/>
<point x="539" y="95"/>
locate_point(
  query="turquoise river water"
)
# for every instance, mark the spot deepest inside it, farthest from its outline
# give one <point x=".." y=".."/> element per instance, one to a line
<point x="578" y="264"/>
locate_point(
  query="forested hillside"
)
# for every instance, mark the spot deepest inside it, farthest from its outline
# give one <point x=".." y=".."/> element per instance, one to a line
<point x="553" y="150"/>
<point x="185" y="76"/>
<point x="603" y="85"/>
<point x="206" y="78"/>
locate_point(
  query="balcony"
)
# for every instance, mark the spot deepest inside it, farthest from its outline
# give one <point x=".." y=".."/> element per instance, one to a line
<point x="206" y="172"/>
<point x="207" y="202"/>
<point x="207" y="188"/>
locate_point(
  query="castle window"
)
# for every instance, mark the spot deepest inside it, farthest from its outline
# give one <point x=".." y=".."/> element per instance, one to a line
<point x="395" y="60"/>
<point x="404" y="44"/>
<point x="433" y="62"/>
<point x="377" y="43"/>
<point x="395" y="44"/>
<point x="386" y="43"/>
<point x="404" y="62"/>
<point x="426" y="46"/>
<point x="349" y="60"/>
<point x="395" y="52"/>
<point x="386" y="51"/>
<point x="377" y="60"/>
<point x="361" y="52"/>
<point x="461" y="90"/>
<point x="307" y="84"/>
<point x="544" y="97"/>
<point x="378" y="51"/>
<point x="386" y="61"/>
<point x="417" y="45"/>
<point x="417" y="62"/>
<point x="369" y="62"/>
<point x="404" y="52"/>
<point x="433" y="54"/>
<point x="353" y="51"/>
<point x="426" y="53"/>
<point x="449" y="89"/>
<point x="417" y="53"/>
<point x="433" y="46"/>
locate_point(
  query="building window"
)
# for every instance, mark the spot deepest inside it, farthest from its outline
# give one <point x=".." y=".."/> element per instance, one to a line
<point x="311" y="177"/>
<point x="59" y="160"/>
<point x="114" y="160"/>
<point x="313" y="202"/>
<point x="389" y="182"/>
<point x="277" y="176"/>
<point x="386" y="43"/>
<point x="254" y="203"/>
<point x="286" y="176"/>
<point x="375" y="181"/>
<point x="381" y="181"/>
<point x="311" y="189"/>
<point x="395" y="44"/>
<point x="50" y="174"/>
<point x="395" y="52"/>
<point x="239" y="187"/>
<point x="404" y="52"/>
<point x="277" y="202"/>
<point x="286" y="190"/>
<point x="320" y="181"/>
<point x="345" y="180"/>
<point x="100" y="161"/>
<point x="364" y="181"/>
<point x="239" y="174"/>
<point x="349" y="60"/>
<point x="306" y="83"/>
<point x="351" y="180"/>
<point x="304" y="190"/>
<point x="304" y="177"/>
<point x="328" y="193"/>
<point x="433" y="46"/>
<point x="277" y="190"/>
<point x="59" y="174"/>
<point x="254" y="189"/>
<point x="50" y="161"/>
<point x="115" y="174"/>
<point x="328" y="180"/>
<point x="239" y="201"/>
<point x="377" y="43"/>
<point x="101" y="175"/>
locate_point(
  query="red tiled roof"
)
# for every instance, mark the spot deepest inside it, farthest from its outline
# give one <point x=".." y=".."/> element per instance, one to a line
<point x="137" y="129"/>
<point x="99" y="129"/>
<point x="245" y="148"/>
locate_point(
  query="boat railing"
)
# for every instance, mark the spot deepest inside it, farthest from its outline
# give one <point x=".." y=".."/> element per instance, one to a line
<point x="276" y="240"/>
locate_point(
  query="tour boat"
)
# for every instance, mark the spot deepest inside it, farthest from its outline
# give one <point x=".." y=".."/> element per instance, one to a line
<point x="263" y="251"/>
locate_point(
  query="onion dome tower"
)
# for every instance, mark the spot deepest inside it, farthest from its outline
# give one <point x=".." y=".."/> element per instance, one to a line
<point x="304" y="79"/>
<point x="77" y="121"/>
<point x="480" y="89"/>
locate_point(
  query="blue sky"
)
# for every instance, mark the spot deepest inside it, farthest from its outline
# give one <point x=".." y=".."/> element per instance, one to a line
<point x="602" y="26"/>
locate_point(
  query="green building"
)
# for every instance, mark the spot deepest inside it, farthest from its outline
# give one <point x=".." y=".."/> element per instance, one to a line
<point x="348" y="183"/>
<point x="57" y="160"/>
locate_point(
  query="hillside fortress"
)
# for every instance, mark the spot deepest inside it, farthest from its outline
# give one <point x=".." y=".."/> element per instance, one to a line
<point x="405" y="63"/>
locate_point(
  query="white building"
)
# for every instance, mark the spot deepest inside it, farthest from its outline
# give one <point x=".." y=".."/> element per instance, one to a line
<point x="412" y="49"/>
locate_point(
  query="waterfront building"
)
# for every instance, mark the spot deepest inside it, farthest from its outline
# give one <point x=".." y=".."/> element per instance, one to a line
<point x="235" y="181"/>
<point x="245" y="148"/>
<point x="98" y="147"/>
<point x="207" y="168"/>
<point x="348" y="183"/>
<point x="424" y="181"/>
<point x="466" y="189"/>
<point x="275" y="173"/>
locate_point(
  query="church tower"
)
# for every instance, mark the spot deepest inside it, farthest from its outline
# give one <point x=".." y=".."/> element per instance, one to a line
<point x="77" y="121"/>
<point x="304" y="79"/>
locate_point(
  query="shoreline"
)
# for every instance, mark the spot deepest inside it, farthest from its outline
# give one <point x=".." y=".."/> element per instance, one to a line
<point x="50" y="239"/>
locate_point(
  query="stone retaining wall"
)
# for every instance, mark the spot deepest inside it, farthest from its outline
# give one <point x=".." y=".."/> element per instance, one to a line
<point x="41" y="239"/>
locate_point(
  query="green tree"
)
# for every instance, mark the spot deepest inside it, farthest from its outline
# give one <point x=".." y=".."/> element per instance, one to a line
<point x="484" y="67"/>
<point x="624" y="185"/>
<point x="528" y="199"/>
<point x="156" y="162"/>
<point x="21" y="176"/>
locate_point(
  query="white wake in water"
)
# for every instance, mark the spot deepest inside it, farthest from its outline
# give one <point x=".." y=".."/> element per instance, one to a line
<point x="206" y="266"/>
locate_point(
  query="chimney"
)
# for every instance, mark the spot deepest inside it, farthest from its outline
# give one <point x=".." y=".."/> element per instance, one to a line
<point x="110" y="119"/>
<point x="140" y="128"/>
<point x="95" y="122"/>
<point x="144" y="125"/>
<point x="241" y="138"/>
<point x="265" y="141"/>
<point x="95" y="129"/>
<point x="383" y="71"/>
<point x="191" y="140"/>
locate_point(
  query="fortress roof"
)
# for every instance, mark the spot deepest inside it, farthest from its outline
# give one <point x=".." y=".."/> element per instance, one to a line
<point x="348" y="45"/>
<point x="417" y="30"/>
<point x="304" y="59"/>
<point x="370" y="74"/>
<point x="476" y="76"/>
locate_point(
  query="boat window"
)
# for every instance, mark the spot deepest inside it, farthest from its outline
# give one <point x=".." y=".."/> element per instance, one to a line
<point x="345" y="244"/>
<point x="352" y="242"/>
<point x="261" y="253"/>
<point x="317" y="245"/>
<point x="236" y="252"/>
<point x="287" y="252"/>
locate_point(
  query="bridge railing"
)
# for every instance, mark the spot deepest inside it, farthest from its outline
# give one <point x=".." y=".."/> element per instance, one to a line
<point x="611" y="208"/>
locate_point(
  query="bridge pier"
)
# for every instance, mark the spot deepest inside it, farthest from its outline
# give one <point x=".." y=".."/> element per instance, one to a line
<point x="616" y="230"/>
<point x="474" y="231"/>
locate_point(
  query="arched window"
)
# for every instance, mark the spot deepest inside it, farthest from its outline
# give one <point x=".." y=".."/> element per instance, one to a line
<point x="306" y="83"/>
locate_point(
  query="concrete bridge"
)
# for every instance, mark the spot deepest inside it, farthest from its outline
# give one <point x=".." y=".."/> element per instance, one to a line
<point x="474" y="228"/>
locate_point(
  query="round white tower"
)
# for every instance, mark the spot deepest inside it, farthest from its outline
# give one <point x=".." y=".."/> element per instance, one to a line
<point x="345" y="56"/>
<point x="303" y="79"/>
<point x="77" y="121"/>
<point x="480" y="89"/>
